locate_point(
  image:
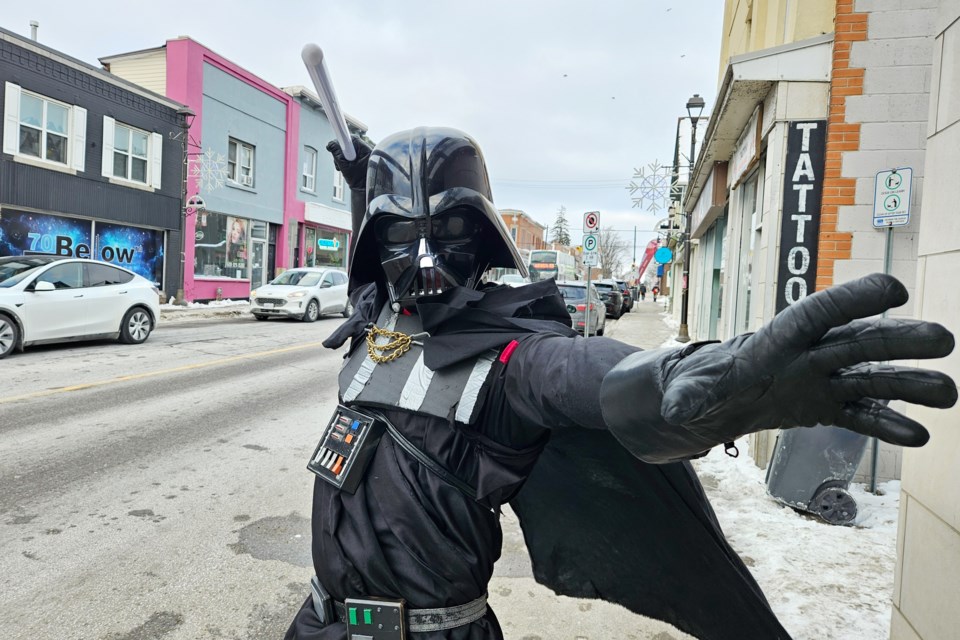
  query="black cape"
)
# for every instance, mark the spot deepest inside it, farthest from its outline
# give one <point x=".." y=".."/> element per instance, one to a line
<point x="598" y="522"/>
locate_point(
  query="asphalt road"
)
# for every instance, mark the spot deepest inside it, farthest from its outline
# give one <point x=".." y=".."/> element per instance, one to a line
<point x="159" y="491"/>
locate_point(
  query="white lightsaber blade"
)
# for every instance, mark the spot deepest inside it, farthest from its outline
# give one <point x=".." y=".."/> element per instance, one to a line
<point x="317" y="68"/>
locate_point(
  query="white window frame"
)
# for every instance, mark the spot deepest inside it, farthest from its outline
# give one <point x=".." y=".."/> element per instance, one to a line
<point x="154" y="156"/>
<point x="338" y="186"/>
<point x="308" y="181"/>
<point x="129" y="154"/>
<point x="75" y="151"/>
<point x="236" y="168"/>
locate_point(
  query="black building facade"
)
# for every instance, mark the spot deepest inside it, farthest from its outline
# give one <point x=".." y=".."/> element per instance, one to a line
<point x="90" y="165"/>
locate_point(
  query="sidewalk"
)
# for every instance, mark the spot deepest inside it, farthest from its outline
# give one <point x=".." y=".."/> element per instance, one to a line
<point x="644" y="326"/>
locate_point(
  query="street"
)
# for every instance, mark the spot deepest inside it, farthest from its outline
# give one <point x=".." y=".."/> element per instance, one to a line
<point x="159" y="490"/>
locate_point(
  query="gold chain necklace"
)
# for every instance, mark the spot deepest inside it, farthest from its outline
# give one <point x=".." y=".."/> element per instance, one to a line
<point x="399" y="344"/>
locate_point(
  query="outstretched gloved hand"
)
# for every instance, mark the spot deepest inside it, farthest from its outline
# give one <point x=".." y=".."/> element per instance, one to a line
<point x="354" y="171"/>
<point x="815" y="363"/>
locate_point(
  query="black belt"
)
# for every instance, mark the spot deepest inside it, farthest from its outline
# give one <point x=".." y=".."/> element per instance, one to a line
<point x="439" y="619"/>
<point x="418" y="620"/>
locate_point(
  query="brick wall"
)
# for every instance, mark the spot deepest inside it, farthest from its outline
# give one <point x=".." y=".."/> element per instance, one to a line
<point x="842" y="136"/>
<point x="878" y="112"/>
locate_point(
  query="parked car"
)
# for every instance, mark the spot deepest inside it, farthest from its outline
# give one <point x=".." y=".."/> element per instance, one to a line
<point x="627" y="293"/>
<point x="513" y="280"/>
<point x="574" y="293"/>
<point x="609" y="292"/>
<point x="305" y="293"/>
<point x="54" y="299"/>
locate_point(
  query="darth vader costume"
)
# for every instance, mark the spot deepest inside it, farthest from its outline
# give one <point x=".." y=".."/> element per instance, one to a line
<point x="485" y="396"/>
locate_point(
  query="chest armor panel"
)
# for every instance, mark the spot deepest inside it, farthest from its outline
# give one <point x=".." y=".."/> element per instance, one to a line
<point x="454" y="392"/>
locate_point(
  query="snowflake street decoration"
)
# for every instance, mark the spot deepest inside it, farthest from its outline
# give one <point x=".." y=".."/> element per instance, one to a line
<point x="210" y="170"/>
<point x="651" y="186"/>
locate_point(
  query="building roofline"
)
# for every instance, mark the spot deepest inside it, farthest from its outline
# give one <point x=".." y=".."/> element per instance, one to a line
<point x="80" y="65"/>
<point x="746" y="81"/>
<point x="520" y="213"/>
<point x="300" y="91"/>
<point x="105" y="60"/>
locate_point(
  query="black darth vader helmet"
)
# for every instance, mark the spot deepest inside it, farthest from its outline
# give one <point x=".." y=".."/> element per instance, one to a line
<point x="430" y="223"/>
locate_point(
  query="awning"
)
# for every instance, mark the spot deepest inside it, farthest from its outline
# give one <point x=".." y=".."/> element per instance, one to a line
<point x="746" y="83"/>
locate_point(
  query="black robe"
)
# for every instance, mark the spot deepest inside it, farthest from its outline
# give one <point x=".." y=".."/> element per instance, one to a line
<point x="598" y="522"/>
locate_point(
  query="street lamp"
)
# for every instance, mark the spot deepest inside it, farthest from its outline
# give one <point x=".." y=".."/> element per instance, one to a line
<point x="186" y="116"/>
<point x="694" y="109"/>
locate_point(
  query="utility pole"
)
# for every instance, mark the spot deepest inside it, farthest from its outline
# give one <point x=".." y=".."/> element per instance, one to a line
<point x="186" y="119"/>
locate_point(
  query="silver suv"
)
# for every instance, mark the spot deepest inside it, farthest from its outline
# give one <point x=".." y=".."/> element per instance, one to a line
<point x="574" y="293"/>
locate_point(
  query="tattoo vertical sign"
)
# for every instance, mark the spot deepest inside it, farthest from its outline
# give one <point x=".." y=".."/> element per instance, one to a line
<point x="800" y="224"/>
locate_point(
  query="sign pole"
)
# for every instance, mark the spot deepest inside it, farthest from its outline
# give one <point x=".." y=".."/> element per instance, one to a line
<point x="875" y="443"/>
<point x="591" y="243"/>
<point x="891" y="208"/>
<point x="586" y="312"/>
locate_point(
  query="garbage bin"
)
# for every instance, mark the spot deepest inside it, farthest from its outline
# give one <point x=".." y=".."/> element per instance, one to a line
<point x="811" y="470"/>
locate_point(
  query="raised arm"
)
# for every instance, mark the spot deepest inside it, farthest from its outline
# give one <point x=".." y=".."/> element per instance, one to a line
<point x="813" y="363"/>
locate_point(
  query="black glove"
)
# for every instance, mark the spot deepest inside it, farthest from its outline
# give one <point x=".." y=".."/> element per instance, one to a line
<point x="354" y="171"/>
<point x="808" y="366"/>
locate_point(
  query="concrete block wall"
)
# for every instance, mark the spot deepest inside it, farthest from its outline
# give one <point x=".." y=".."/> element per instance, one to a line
<point x="891" y="112"/>
<point x="878" y="111"/>
<point x="927" y="580"/>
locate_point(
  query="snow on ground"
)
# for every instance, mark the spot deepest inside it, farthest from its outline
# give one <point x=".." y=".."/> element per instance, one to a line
<point x="191" y="311"/>
<point x="212" y="304"/>
<point x="822" y="581"/>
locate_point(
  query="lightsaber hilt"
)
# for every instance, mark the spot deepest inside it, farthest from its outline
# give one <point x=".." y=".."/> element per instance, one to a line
<point x="317" y="68"/>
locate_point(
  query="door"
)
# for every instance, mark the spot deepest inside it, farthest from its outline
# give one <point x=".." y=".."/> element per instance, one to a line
<point x="327" y="293"/>
<point x="257" y="271"/>
<point x="61" y="313"/>
<point x="108" y="296"/>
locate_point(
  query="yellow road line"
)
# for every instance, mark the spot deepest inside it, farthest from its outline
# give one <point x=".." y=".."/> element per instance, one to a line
<point x="153" y="374"/>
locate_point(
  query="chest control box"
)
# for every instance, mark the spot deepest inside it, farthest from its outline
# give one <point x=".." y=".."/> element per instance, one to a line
<point x="346" y="447"/>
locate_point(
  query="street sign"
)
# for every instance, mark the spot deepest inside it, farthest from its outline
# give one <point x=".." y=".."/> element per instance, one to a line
<point x="663" y="255"/>
<point x="591" y="259"/>
<point x="891" y="198"/>
<point x="591" y="243"/>
<point x="591" y="221"/>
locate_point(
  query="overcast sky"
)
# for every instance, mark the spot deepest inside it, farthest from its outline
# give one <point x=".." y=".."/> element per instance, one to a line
<point x="565" y="98"/>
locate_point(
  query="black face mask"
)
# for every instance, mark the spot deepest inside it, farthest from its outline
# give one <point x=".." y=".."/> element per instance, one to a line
<point x="430" y="224"/>
<point x="426" y="256"/>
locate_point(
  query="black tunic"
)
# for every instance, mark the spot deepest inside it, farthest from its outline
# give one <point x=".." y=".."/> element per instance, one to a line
<point x="407" y="534"/>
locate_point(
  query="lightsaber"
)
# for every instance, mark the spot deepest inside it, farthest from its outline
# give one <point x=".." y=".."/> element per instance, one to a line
<point x="317" y="68"/>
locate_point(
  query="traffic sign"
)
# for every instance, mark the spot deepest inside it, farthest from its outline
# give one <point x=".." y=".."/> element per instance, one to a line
<point x="591" y="259"/>
<point x="591" y="221"/>
<point x="591" y="243"/>
<point x="663" y="255"/>
<point x="891" y="198"/>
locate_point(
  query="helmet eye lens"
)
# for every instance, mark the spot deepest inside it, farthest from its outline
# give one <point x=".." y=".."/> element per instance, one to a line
<point x="394" y="230"/>
<point x="452" y="226"/>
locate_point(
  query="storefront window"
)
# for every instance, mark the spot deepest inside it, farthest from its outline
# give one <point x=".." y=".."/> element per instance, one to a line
<point x="221" y="246"/>
<point x="330" y="249"/>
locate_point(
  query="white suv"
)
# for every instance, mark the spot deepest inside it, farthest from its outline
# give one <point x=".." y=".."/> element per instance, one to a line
<point x="305" y="293"/>
<point x="53" y="299"/>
